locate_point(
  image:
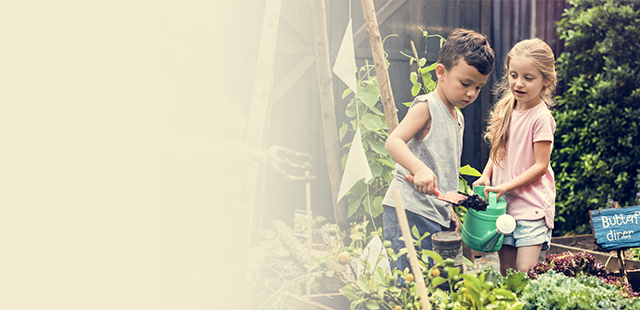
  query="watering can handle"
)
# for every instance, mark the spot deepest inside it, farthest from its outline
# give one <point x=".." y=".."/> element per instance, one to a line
<point x="493" y="201"/>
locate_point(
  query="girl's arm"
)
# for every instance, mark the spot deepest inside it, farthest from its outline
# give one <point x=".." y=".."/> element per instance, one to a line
<point x="485" y="178"/>
<point x="541" y="158"/>
<point x="417" y="120"/>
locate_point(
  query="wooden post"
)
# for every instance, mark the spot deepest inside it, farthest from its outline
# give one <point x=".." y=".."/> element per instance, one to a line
<point x="623" y="267"/>
<point x="413" y="257"/>
<point x="380" y="61"/>
<point x="260" y="112"/>
<point x="330" y="132"/>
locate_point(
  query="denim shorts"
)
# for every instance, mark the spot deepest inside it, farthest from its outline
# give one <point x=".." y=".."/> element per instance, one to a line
<point x="529" y="233"/>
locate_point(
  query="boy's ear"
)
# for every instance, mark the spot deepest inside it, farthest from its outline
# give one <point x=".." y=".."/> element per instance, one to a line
<point x="440" y="70"/>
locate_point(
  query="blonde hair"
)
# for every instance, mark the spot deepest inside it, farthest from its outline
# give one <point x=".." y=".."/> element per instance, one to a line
<point x="541" y="55"/>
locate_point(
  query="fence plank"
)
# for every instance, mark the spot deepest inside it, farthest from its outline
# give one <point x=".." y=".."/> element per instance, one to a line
<point x="257" y="123"/>
<point x="325" y="85"/>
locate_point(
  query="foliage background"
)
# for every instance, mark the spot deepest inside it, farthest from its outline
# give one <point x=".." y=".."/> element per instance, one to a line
<point x="596" y="156"/>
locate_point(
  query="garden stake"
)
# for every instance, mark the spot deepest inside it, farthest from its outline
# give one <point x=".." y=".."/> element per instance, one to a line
<point x="415" y="54"/>
<point x="413" y="257"/>
<point x="623" y="268"/>
<point x="309" y="233"/>
<point x="380" y="61"/>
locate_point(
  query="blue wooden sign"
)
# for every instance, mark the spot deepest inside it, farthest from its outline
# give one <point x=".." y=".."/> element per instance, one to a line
<point x="616" y="229"/>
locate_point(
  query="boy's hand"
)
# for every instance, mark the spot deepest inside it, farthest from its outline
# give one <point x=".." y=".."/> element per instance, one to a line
<point x="425" y="181"/>
<point x="455" y="222"/>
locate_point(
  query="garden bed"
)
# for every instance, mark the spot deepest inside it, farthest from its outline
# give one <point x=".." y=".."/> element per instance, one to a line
<point x="609" y="259"/>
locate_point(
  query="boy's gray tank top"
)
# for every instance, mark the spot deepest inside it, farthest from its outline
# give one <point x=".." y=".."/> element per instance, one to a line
<point x="441" y="151"/>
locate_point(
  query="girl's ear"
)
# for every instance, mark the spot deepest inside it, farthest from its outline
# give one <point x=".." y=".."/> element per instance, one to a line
<point x="440" y="70"/>
<point x="546" y="83"/>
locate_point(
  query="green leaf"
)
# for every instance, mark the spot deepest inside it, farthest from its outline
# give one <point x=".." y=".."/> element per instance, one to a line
<point x="413" y="77"/>
<point x="423" y="61"/>
<point x="351" y="110"/>
<point x="434" y="255"/>
<point x="470" y="171"/>
<point x="376" y="111"/>
<point x="415" y="89"/>
<point x="346" y="92"/>
<point x="463" y="186"/>
<point x="453" y="271"/>
<point x="505" y="293"/>
<point x="467" y="262"/>
<point x="362" y="284"/>
<point x="437" y="281"/>
<point x="431" y="67"/>
<point x="348" y="292"/>
<point x="354" y="205"/>
<point x="379" y="148"/>
<point x="372" y="304"/>
<point x="431" y="85"/>
<point x="377" y="206"/>
<point x="371" y="122"/>
<point x="343" y="131"/>
<point x="376" y="169"/>
<point x="415" y="232"/>
<point x="369" y="93"/>
<point x="515" y="281"/>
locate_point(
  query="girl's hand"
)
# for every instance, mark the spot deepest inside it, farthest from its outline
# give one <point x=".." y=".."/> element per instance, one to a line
<point x="482" y="181"/>
<point x="499" y="190"/>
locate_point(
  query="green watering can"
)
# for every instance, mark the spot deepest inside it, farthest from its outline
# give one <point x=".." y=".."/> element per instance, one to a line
<point x="484" y="230"/>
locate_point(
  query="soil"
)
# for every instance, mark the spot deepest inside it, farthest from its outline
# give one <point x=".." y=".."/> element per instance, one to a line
<point x="474" y="201"/>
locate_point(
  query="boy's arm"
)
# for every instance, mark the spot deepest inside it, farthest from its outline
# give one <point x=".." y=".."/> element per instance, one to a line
<point x="416" y="120"/>
<point x="541" y="159"/>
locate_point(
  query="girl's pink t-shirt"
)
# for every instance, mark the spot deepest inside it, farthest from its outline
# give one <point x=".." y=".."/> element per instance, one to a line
<point x="535" y="200"/>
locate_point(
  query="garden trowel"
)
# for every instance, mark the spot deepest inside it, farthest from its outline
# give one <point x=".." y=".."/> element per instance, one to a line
<point x="450" y="197"/>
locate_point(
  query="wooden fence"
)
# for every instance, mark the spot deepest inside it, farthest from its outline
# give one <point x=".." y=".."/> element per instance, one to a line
<point x="296" y="115"/>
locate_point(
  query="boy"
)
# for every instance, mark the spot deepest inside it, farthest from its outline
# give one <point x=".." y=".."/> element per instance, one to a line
<point x="428" y="141"/>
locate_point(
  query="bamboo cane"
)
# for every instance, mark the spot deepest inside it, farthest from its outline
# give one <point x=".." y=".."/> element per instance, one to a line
<point x="380" y="61"/>
<point x="411" y="250"/>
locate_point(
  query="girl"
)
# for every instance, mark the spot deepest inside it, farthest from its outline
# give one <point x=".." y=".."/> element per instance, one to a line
<point x="520" y="131"/>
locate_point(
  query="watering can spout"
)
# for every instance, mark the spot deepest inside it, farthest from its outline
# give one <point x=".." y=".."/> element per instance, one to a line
<point x="505" y="224"/>
<point x="489" y="240"/>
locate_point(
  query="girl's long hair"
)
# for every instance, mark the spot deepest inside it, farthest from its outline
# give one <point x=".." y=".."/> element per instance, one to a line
<point x="541" y="56"/>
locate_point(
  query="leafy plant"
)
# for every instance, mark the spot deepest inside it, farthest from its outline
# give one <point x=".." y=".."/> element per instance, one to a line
<point x="365" y="109"/>
<point x="569" y="264"/>
<point x="463" y="187"/>
<point x="596" y="158"/>
<point x="422" y="73"/>
<point x="337" y="252"/>
<point x="554" y="290"/>
<point x="580" y="264"/>
<point x="447" y="287"/>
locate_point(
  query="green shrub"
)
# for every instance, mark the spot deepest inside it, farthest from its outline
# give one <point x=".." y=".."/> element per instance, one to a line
<point x="597" y="155"/>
